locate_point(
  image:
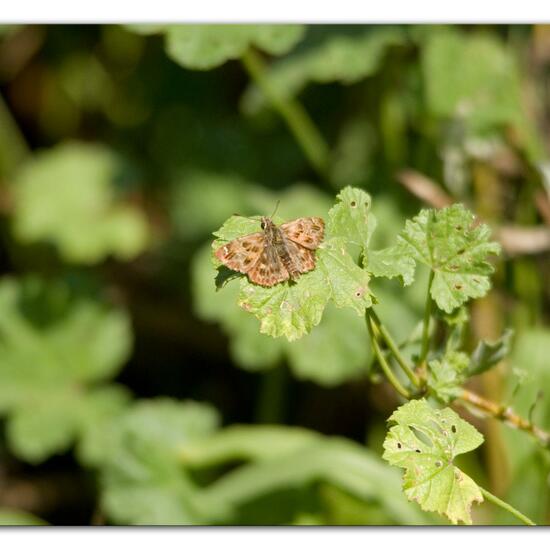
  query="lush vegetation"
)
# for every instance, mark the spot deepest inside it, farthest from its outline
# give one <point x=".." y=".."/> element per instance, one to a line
<point x="405" y="380"/>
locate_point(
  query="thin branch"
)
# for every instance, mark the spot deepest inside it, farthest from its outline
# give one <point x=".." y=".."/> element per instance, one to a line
<point x="506" y="414"/>
<point x="426" y="325"/>
<point x="394" y="348"/>
<point x="392" y="379"/>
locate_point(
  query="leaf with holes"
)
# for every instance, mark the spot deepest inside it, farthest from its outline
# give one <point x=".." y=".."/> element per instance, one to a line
<point x="425" y="442"/>
<point x="456" y="249"/>
<point x="292" y="309"/>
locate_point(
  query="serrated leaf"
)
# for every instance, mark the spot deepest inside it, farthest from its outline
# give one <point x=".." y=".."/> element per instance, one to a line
<point x="287" y="309"/>
<point x="446" y="376"/>
<point x="348" y="283"/>
<point x="449" y="242"/>
<point x="488" y="354"/>
<point x="341" y="58"/>
<point x="350" y="218"/>
<point x="143" y="482"/>
<point x="207" y="46"/>
<point x="65" y="196"/>
<point x="425" y="442"/>
<point x="391" y="262"/>
<point x="292" y="309"/>
<point x="53" y="346"/>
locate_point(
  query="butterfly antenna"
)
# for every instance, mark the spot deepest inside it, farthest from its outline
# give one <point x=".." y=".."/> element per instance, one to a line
<point x="276" y="208"/>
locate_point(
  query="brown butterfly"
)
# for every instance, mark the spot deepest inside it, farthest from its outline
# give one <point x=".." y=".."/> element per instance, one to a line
<point x="277" y="253"/>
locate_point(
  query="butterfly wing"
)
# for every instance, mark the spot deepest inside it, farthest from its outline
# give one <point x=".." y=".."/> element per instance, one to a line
<point x="243" y="253"/>
<point x="269" y="269"/>
<point x="303" y="259"/>
<point x="307" y="232"/>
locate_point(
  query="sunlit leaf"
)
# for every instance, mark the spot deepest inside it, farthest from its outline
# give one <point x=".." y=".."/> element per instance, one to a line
<point x="65" y="196"/>
<point x="292" y="309"/>
<point x="53" y="347"/>
<point x="425" y="441"/>
<point x="299" y="459"/>
<point x="447" y="375"/>
<point x="207" y="46"/>
<point x="143" y="482"/>
<point x="456" y="249"/>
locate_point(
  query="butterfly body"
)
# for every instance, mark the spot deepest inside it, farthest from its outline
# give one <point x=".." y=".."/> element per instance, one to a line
<point x="277" y="253"/>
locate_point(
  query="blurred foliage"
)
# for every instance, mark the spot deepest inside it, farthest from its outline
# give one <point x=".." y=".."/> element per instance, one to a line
<point x="123" y="148"/>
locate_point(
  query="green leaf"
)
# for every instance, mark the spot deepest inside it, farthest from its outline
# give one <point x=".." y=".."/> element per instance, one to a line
<point x="292" y="309"/>
<point x="287" y="309"/>
<point x="143" y="482"/>
<point x="488" y="354"/>
<point x="456" y="250"/>
<point x="476" y="78"/>
<point x="340" y="58"/>
<point x="446" y="376"/>
<point x="350" y="217"/>
<point x="65" y="196"/>
<point x="299" y="458"/>
<point x="53" y="346"/>
<point x="205" y="47"/>
<point x="425" y="442"/>
<point x="334" y="352"/>
<point x="9" y="516"/>
<point x="391" y="262"/>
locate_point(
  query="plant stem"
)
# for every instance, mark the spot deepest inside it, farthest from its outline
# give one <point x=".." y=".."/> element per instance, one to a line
<point x="13" y="146"/>
<point x="495" y="500"/>
<point x="306" y="133"/>
<point x="394" y="348"/>
<point x="426" y="326"/>
<point x="506" y="414"/>
<point x="392" y="379"/>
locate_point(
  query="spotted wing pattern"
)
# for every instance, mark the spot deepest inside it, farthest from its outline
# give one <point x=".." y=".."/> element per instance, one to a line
<point x="269" y="269"/>
<point x="307" y="232"/>
<point x="302" y="259"/>
<point x="242" y="254"/>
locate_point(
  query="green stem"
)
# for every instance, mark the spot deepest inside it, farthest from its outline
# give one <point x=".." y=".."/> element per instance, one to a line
<point x="306" y="133"/>
<point x="495" y="500"/>
<point x="13" y="146"/>
<point x="426" y="326"/>
<point x="392" y="379"/>
<point x="394" y="348"/>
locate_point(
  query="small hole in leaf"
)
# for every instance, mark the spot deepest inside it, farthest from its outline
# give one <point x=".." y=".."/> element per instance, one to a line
<point x="461" y="251"/>
<point x="353" y="204"/>
<point x="458" y="228"/>
<point x="453" y="428"/>
<point x="438" y="463"/>
<point x="399" y="445"/>
<point x="417" y="450"/>
<point x="458" y="286"/>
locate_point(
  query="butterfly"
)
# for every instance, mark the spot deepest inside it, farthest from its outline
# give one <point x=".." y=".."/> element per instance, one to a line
<point x="277" y="253"/>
